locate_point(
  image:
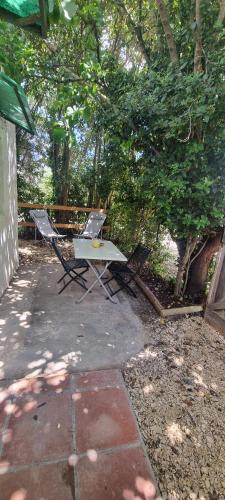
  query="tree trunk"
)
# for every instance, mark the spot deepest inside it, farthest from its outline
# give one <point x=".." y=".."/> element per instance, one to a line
<point x="65" y="175"/>
<point x="167" y="30"/>
<point x="221" y="15"/>
<point x="198" y="272"/>
<point x="183" y="263"/>
<point x="198" y="39"/>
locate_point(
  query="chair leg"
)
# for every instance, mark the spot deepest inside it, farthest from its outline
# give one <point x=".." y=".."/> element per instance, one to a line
<point x="62" y="278"/>
<point x="122" y="285"/>
<point x="72" y="278"/>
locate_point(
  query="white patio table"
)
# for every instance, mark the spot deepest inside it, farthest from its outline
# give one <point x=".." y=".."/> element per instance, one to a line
<point x="107" y="253"/>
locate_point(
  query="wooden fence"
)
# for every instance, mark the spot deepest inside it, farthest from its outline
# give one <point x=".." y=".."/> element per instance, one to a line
<point x="61" y="208"/>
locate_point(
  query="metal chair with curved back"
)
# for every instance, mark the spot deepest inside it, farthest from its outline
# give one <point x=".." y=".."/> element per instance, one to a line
<point x="93" y="226"/>
<point x="44" y="224"/>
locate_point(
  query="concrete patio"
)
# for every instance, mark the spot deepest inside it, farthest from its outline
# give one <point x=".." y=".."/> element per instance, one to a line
<point x="42" y="332"/>
<point x="67" y="429"/>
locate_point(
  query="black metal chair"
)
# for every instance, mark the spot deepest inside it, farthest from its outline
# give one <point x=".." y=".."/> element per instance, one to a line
<point x="124" y="273"/>
<point x="70" y="267"/>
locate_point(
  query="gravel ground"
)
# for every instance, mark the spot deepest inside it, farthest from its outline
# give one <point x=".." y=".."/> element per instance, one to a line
<point x="177" y="388"/>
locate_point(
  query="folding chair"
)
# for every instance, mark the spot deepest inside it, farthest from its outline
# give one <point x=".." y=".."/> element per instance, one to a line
<point x="124" y="273"/>
<point x="70" y="267"/>
<point x="44" y="225"/>
<point x="93" y="226"/>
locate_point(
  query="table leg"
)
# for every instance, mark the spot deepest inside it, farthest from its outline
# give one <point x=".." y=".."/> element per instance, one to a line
<point x="98" y="280"/>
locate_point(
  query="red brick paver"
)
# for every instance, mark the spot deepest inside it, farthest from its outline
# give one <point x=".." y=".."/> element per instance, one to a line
<point x="72" y="437"/>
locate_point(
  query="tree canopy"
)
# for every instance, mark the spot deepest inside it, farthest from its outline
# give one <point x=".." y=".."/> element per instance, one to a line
<point x="128" y="98"/>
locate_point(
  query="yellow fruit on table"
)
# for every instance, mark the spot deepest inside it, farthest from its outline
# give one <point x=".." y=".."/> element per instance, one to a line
<point x="96" y="243"/>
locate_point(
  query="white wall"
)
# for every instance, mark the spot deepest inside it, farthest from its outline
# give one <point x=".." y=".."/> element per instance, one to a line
<point x="8" y="204"/>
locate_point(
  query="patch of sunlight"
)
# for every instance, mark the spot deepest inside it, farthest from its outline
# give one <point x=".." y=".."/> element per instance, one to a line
<point x="76" y="396"/>
<point x="73" y="460"/>
<point x="7" y="436"/>
<point x="54" y="366"/>
<point x="37" y="363"/>
<point x="178" y="360"/>
<point x="24" y="315"/>
<point x="92" y="455"/>
<point x="148" y="389"/>
<point x="145" y="487"/>
<point x="20" y="494"/>
<point x="199" y="380"/>
<point x="130" y="495"/>
<point x="174" y="433"/>
<point x="4" y="467"/>
<point x="30" y="405"/>
<point x="2" y="322"/>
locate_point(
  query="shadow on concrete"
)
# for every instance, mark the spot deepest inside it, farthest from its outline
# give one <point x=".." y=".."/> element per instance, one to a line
<point x="42" y="332"/>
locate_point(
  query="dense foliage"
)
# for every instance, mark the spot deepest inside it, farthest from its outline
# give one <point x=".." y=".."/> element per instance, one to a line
<point x="128" y="97"/>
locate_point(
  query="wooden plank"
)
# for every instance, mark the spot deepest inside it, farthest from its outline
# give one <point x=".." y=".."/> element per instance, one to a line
<point x="60" y="207"/>
<point x="214" y="320"/>
<point x="158" y="306"/>
<point x="216" y="276"/>
<point x="66" y="226"/>
<point x="150" y="295"/>
<point x="173" y="311"/>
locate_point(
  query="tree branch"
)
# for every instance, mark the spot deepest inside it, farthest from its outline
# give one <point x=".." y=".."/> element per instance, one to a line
<point x="137" y="30"/>
<point x="167" y="30"/>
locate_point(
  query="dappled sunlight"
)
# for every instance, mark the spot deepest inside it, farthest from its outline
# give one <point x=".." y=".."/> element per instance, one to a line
<point x="76" y="396"/>
<point x="92" y="455"/>
<point x="148" y="389"/>
<point x="73" y="460"/>
<point x="146" y="487"/>
<point x="4" y="466"/>
<point x="35" y="364"/>
<point x="20" y="494"/>
<point x="174" y="433"/>
<point x="179" y="361"/>
<point x="7" y="436"/>
<point x="198" y="379"/>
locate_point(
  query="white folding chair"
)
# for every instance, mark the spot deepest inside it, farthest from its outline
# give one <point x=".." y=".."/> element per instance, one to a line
<point x="93" y="226"/>
<point x="44" y="225"/>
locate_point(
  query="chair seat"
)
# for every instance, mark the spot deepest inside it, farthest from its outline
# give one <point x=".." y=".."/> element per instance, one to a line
<point x="120" y="267"/>
<point x="76" y="263"/>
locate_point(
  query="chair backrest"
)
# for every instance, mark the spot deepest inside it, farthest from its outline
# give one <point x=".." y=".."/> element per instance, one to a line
<point x="58" y="253"/>
<point x="42" y="222"/>
<point x="94" y="224"/>
<point x="138" y="257"/>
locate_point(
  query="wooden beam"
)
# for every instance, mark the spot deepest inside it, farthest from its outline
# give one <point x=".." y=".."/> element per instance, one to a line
<point x="150" y="295"/>
<point x="174" y="311"/>
<point x="60" y="207"/>
<point x="60" y="225"/>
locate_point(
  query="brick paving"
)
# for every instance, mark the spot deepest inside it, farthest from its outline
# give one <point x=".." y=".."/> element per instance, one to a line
<point x="71" y="437"/>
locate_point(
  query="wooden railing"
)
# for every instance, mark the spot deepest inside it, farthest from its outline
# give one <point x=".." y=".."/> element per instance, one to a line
<point x="59" y="207"/>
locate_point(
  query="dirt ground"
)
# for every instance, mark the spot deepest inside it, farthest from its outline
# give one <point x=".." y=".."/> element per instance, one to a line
<point x="177" y="388"/>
